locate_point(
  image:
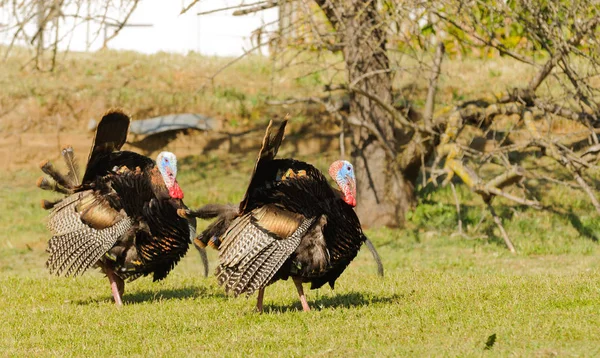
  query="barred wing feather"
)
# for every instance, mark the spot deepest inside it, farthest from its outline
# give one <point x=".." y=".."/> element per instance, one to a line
<point x="251" y="255"/>
<point x="76" y="246"/>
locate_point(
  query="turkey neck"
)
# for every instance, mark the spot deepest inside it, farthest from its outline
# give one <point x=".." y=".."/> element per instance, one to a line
<point x="158" y="185"/>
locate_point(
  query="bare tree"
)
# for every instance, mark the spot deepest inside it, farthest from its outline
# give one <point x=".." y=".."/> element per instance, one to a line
<point x="396" y="147"/>
<point x="46" y="25"/>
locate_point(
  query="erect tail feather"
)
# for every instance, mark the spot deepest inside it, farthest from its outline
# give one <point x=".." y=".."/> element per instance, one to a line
<point x="268" y="151"/>
<point x="111" y="135"/>
<point x="72" y="166"/>
<point x="60" y="179"/>
<point x="45" y="184"/>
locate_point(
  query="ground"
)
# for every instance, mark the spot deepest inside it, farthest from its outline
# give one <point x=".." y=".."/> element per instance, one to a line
<point x="443" y="294"/>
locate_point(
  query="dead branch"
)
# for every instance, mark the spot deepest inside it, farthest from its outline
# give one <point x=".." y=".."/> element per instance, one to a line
<point x="457" y="202"/>
<point x="430" y="102"/>
<point x="513" y="176"/>
<point x="387" y="107"/>
<point x="121" y="24"/>
<point x="267" y="5"/>
<point x="498" y="222"/>
<point x="563" y="156"/>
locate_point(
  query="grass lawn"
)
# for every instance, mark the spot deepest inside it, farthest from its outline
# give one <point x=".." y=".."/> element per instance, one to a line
<point x="443" y="294"/>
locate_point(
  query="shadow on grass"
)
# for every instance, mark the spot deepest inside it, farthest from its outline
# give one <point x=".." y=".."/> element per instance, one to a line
<point x="581" y="228"/>
<point x="344" y="300"/>
<point x="144" y="296"/>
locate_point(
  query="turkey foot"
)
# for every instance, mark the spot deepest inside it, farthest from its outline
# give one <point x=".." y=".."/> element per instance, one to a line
<point x="259" y="300"/>
<point x="298" y="283"/>
<point x="117" y="285"/>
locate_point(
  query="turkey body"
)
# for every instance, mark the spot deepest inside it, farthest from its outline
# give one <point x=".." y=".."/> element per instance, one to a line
<point x="290" y="223"/>
<point x="334" y="237"/>
<point x="122" y="217"/>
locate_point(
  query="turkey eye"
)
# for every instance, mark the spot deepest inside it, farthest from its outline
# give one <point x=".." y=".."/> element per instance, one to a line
<point x="349" y="168"/>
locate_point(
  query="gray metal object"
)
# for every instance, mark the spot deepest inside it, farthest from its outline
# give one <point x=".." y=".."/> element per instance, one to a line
<point x="173" y="122"/>
<point x="169" y="122"/>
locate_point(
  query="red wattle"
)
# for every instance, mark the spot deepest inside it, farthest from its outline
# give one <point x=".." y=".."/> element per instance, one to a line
<point x="175" y="191"/>
<point x="350" y="200"/>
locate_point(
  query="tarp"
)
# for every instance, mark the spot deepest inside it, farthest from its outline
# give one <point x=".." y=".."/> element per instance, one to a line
<point x="172" y="122"/>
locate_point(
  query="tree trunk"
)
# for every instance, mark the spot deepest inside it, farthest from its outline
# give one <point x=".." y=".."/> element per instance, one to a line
<point x="384" y="195"/>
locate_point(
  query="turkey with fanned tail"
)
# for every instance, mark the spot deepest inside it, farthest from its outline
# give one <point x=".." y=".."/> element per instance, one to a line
<point x="290" y="223"/>
<point x="121" y="216"/>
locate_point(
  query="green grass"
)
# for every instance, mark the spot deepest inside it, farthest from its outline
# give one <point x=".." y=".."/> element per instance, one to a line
<point x="443" y="294"/>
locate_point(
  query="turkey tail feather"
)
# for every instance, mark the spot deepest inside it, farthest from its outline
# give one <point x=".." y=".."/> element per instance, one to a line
<point x="60" y="179"/>
<point x="268" y="151"/>
<point x="45" y="184"/>
<point x="376" y="257"/>
<point x="111" y="134"/>
<point x="72" y="166"/>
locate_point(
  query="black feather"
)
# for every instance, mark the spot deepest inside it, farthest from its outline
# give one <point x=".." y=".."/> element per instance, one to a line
<point x="251" y="257"/>
<point x="119" y="217"/>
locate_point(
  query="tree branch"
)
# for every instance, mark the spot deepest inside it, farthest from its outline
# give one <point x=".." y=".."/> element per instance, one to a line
<point x="430" y="102"/>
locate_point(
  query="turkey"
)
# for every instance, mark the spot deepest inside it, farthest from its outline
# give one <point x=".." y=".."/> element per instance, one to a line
<point x="121" y="217"/>
<point x="290" y="223"/>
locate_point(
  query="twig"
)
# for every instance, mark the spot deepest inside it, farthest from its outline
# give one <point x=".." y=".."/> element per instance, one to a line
<point x="121" y="24"/>
<point x="560" y="54"/>
<point x="187" y="8"/>
<point x="267" y="5"/>
<point x="586" y="188"/>
<point x="430" y="102"/>
<point x="387" y="107"/>
<point x="495" y="191"/>
<point x="498" y="222"/>
<point x="460" y="231"/>
<point x="390" y="151"/>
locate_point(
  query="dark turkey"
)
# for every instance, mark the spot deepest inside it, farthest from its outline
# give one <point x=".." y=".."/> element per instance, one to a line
<point x="121" y="217"/>
<point x="291" y="223"/>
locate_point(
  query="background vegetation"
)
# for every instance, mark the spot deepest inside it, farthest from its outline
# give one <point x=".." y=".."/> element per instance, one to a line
<point x="451" y="287"/>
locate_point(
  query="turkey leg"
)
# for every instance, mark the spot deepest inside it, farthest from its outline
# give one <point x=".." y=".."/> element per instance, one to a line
<point x="259" y="300"/>
<point x="298" y="283"/>
<point x="117" y="285"/>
